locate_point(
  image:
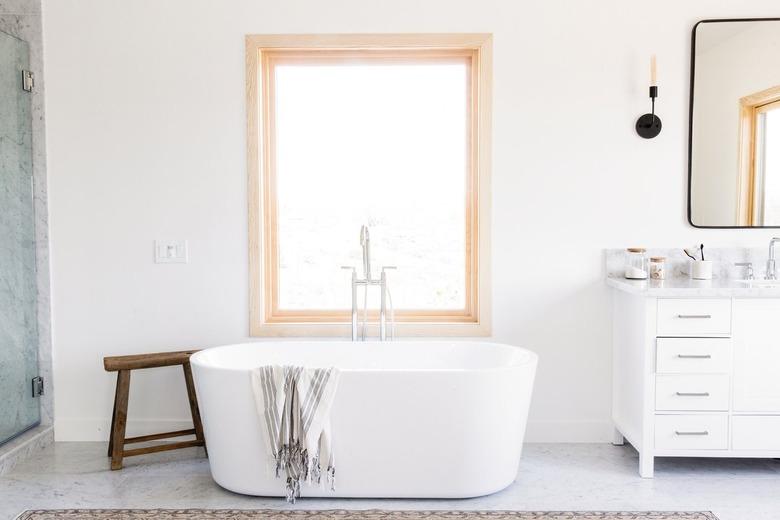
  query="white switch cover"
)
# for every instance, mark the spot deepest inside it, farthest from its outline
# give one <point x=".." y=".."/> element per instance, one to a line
<point x="170" y="252"/>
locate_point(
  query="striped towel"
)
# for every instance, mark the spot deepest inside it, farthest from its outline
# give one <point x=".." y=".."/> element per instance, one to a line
<point x="295" y="403"/>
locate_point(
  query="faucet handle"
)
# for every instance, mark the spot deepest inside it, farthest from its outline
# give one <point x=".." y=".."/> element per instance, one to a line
<point x="748" y="271"/>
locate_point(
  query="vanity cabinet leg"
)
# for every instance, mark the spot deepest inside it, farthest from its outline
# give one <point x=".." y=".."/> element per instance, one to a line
<point x="617" y="438"/>
<point x="646" y="464"/>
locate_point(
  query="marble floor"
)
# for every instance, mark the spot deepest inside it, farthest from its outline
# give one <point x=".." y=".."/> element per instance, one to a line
<point x="551" y="477"/>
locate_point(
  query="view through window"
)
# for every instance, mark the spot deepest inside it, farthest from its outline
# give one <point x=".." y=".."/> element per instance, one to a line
<point x="376" y="143"/>
<point x="769" y="160"/>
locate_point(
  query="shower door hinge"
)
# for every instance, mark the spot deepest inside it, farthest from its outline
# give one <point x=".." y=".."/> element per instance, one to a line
<point x="37" y="386"/>
<point x="28" y="81"/>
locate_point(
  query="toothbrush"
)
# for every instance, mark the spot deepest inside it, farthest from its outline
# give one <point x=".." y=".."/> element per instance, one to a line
<point x="688" y="251"/>
<point x="702" y="252"/>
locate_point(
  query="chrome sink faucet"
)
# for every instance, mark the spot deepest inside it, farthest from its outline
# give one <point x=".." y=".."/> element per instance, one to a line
<point x="771" y="265"/>
<point x="366" y="282"/>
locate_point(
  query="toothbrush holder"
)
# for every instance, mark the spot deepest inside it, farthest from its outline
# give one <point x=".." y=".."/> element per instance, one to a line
<point x="701" y="269"/>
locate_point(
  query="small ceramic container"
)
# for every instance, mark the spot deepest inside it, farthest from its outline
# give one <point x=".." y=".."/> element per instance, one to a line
<point x="701" y="270"/>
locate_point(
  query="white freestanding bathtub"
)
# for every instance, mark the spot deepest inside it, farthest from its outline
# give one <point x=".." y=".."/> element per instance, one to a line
<point x="409" y="419"/>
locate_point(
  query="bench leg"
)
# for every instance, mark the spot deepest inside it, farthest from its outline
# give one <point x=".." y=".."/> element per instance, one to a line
<point x="119" y="420"/>
<point x="113" y="421"/>
<point x="194" y="410"/>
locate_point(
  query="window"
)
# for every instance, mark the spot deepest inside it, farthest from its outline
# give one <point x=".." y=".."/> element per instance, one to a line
<point x="390" y="131"/>
<point x="759" y="178"/>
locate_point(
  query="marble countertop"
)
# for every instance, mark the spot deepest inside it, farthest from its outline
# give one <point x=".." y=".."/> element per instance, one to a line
<point x="679" y="287"/>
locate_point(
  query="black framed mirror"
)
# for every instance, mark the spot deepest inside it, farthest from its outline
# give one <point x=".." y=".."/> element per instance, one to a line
<point x="734" y="124"/>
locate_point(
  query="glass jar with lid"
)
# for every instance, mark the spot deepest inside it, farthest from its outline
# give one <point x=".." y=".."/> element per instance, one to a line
<point x="657" y="267"/>
<point x="636" y="263"/>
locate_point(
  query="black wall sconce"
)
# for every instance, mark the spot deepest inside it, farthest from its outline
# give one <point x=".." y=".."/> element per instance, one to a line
<point x="649" y="125"/>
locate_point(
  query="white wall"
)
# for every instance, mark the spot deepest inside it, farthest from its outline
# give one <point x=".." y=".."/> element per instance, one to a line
<point x="146" y="140"/>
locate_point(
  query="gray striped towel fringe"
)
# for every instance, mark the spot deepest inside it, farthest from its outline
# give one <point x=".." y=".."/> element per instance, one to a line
<point x="295" y="404"/>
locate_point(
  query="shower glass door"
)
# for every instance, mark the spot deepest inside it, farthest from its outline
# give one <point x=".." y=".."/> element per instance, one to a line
<point x="19" y="410"/>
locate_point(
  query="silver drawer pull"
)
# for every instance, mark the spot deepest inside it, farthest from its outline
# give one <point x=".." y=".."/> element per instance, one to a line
<point x="694" y="356"/>
<point x="705" y="432"/>
<point x="693" y="394"/>
<point x="694" y="316"/>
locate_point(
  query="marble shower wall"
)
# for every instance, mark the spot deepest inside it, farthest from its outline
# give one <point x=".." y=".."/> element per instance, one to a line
<point x="18" y="286"/>
<point x="22" y="19"/>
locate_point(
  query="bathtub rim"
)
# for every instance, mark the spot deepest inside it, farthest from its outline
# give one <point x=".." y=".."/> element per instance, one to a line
<point x="531" y="358"/>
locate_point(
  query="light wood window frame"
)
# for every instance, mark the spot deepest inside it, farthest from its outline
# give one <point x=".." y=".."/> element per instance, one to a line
<point x="266" y="319"/>
<point x="750" y="109"/>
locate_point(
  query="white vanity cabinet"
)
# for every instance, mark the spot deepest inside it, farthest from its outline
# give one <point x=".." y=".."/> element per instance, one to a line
<point x="695" y="376"/>
<point x="757" y="357"/>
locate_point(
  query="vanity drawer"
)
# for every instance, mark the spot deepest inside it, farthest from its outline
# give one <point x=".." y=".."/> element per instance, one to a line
<point x="687" y="317"/>
<point x="755" y="432"/>
<point x="693" y="355"/>
<point x="691" y="432"/>
<point x="692" y="392"/>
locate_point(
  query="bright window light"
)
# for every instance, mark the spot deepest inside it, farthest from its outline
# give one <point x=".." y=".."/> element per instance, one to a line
<point x="377" y="142"/>
<point x="771" y="166"/>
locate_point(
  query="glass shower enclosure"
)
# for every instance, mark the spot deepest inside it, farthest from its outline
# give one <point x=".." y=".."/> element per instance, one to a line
<point x="19" y="407"/>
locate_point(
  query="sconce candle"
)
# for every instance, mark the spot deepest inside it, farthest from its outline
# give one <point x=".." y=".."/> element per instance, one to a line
<point x="653" y="77"/>
<point x="649" y="125"/>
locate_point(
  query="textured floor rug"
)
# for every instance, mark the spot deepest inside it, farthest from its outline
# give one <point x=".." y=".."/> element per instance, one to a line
<point x="237" y="514"/>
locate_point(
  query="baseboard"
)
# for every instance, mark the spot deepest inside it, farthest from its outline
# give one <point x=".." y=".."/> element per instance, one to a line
<point x="560" y="432"/>
<point x="24" y="446"/>
<point x="98" y="430"/>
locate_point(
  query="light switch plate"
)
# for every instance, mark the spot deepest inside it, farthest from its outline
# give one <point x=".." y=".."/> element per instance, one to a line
<point x="170" y="252"/>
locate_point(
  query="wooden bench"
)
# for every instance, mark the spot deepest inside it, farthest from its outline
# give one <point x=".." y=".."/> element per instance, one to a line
<point x="123" y="365"/>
